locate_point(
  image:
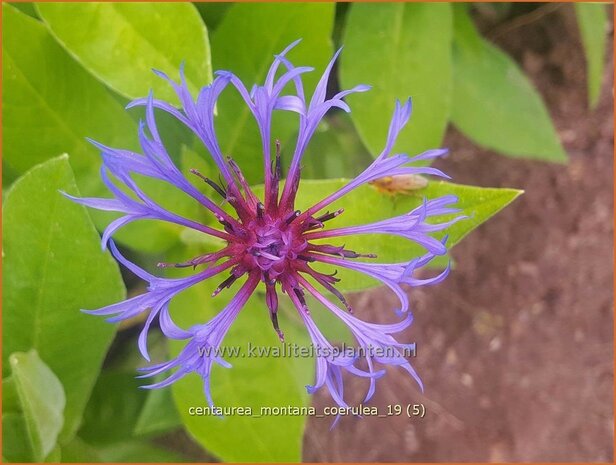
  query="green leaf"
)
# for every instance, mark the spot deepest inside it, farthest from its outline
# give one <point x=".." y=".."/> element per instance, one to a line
<point x="9" y="175"/>
<point x="113" y="408"/>
<point x="158" y="414"/>
<point x="335" y="150"/>
<point x="137" y="452"/>
<point x="494" y="103"/>
<point x="253" y="382"/>
<point x="79" y="451"/>
<point x="268" y="28"/>
<point x="212" y="12"/>
<point x="27" y="8"/>
<point x="42" y="118"/>
<point x="10" y="398"/>
<point x="592" y="21"/>
<point x="366" y="205"/>
<point x="120" y="43"/>
<point x="42" y="401"/>
<point x="120" y="452"/>
<point x="44" y="233"/>
<point x="403" y="50"/>
<point x="16" y="446"/>
<point x="119" y="408"/>
<point x="55" y="455"/>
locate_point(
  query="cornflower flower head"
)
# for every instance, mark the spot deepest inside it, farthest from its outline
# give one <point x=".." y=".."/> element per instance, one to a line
<point x="268" y="242"/>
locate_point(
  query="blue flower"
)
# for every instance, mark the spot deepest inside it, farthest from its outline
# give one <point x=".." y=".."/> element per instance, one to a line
<point x="267" y="241"/>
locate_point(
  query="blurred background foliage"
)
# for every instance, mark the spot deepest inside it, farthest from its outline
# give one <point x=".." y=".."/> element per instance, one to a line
<point x="69" y="392"/>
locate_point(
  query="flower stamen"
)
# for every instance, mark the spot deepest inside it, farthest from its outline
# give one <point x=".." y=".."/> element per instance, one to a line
<point x="260" y="210"/>
<point x="291" y="217"/>
<point x="329" y="216"/>
<point x="210" y="183"/>
<point x="225" y="284"/>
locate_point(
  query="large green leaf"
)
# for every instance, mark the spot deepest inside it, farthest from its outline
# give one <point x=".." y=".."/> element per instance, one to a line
<point x="120" y="43"/>
<point x="40" y="85"/>
<point x="212" y="12"/>
<point x="137" y="452"/>
<point x="128" y="451"/>
<point x="16" y="446"/>
<point x="335" y="150"/>
<point x="53" y="268"/>
<point x="403" y="50"/>
<point x="77" y="450"/>
<point x="252" y="382"/>
<point x="366" y="205"/>
<point x="158" y="414"/>
<point x="592" y="21"/>
<point x="42" y="401"/>
<point x="10" y="398"/>
<point x="118" y="410"/>
<point x="245" y="43"/>
<point x="50" y="106"/>
<point x="113" y="408"/>
<point x="494" y="103"/>
<point x="27" y="8"/>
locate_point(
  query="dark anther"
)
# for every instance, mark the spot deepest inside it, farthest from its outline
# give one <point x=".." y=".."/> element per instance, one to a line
<point x="278" y="166"/>
<point x="305" y="258"/>
<point x="240" y="178"/>
<point x="328" y="216"/>
<point x="221" y="182"/>
<point x="166" y="265"/>
<point x="210" y="183"/>
<point x="267" y="280"/>
<point x="300" y="296"/>
<point x="236" y="169"/>
<point x="311" y="224"/>
<point x="232" y="164"/>
<point x="351" y="254"/>
<point x="260" y="210"/>
<point x="197" y="173"/>
<point x="291" y="216"/>
<point x="338" y="294"/>
<point x="367" y="255"/>
<point x="228" y="226"/>
<point x="226" y="283"/>
<point x="326" y="282"/>
<point x="274" y="316"/>
<point x="332" y="277"/>
<point x="177" y="265"/>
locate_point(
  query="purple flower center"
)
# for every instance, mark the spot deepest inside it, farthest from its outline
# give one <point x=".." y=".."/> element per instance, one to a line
<point x="270" y="240"/>
<point x="274" y="245"/>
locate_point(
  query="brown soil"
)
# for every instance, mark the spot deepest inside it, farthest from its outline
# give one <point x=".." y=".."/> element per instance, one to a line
<point x="515" y="348"/>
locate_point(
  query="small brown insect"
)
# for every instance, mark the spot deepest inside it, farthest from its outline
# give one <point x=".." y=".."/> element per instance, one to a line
<point x="400" y="184"/>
